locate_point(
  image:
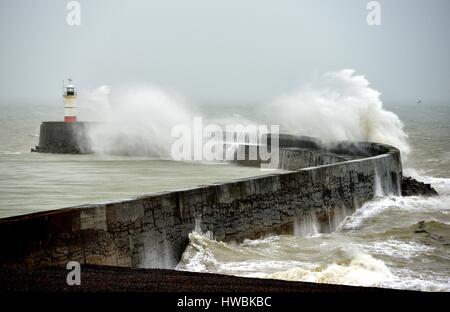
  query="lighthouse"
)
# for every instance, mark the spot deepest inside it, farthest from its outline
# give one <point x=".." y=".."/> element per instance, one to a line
<point x="70" y="101"/>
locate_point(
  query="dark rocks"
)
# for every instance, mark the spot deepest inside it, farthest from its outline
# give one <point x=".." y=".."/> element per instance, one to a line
<point x="412" y="187"/>
<point x="421" y="228"/>
<point x="431" y="233"/>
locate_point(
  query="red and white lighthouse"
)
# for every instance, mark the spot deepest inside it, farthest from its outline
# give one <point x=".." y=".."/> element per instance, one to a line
<point x="70" y="101"/>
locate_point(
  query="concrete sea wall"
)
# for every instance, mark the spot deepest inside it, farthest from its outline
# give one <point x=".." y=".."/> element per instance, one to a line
<point x="323" y="186"/>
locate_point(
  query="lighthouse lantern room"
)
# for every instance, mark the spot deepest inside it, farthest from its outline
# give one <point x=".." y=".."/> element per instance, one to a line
<point x="70" y="101"/>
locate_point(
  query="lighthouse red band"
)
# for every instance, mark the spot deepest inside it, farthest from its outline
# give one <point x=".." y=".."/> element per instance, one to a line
<point x="70" y="118"/>
<point x="70" y="101"/>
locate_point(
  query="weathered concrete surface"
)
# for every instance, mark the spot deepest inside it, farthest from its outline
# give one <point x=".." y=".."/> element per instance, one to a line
<point x="152" y="231"/>
<point x="64" y="138"/>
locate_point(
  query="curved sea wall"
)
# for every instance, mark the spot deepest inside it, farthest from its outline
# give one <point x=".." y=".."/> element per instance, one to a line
<point x="324" y="185"/>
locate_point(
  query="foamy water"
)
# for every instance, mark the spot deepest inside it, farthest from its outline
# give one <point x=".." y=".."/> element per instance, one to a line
<point x="393" y="242"/>
<point x="340" y="106"/>
<point x="135" y="121"/>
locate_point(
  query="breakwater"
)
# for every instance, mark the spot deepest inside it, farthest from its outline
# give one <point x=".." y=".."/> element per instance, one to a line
<point x="322" y="186"/>
<point x="62" y="137"/>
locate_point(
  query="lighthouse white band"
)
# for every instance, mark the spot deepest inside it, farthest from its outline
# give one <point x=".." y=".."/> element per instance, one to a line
<point x="70" y="111"/>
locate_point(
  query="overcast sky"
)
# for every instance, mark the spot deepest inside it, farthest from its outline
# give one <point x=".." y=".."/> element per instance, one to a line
<point x="227" y="50"/>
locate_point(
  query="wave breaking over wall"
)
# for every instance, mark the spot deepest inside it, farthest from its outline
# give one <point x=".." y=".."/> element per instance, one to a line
<point x="134" y="121"/>
<point x="339" y="106"/>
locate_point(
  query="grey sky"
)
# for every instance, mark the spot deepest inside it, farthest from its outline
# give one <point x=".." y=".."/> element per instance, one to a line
<point x="227" y="50"/>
